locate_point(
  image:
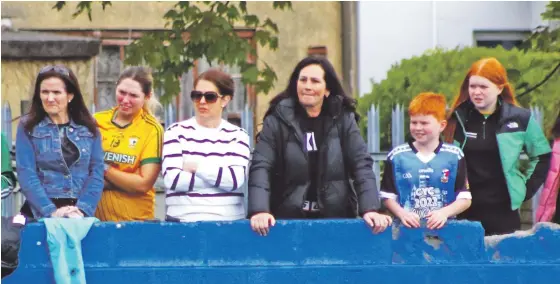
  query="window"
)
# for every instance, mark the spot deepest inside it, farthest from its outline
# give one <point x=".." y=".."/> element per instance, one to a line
<point x="236" y="106"/>
<point x="507" y="39"/>
<point x="319" y="50"/>
<point x="109" y="64"/>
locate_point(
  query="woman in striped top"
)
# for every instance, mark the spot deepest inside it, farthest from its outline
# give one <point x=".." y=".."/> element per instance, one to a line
<point x="205" y="158"/>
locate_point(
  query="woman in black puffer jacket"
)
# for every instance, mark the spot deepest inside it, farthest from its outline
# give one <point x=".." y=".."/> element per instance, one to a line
<point x="309" y="147"/>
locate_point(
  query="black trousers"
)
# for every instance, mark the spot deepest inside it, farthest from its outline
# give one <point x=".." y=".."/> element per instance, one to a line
<point x="58" y="202"/>
<point x="496" y="219"/>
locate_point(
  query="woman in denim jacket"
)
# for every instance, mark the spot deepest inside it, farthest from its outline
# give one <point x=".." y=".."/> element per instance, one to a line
<point x="59" y="158"/>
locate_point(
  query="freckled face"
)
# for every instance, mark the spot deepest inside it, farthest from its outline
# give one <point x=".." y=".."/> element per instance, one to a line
<point x="426" y="128"/>
<point x="483" y="93"/>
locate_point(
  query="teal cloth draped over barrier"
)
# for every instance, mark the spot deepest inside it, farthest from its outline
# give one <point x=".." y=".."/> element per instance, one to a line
<point x="64" y="238"/>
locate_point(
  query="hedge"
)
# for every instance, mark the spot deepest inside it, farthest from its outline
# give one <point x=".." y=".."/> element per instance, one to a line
<point x="442" y="71"/>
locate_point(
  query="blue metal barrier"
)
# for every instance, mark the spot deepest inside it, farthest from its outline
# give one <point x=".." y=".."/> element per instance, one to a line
<point x="298" y="251"/>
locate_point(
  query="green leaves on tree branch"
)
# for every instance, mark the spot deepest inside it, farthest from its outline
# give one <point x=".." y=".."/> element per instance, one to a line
<point x="210" y="30"/>
<point x="546" y="38"/>
<point x="83" y="6"/>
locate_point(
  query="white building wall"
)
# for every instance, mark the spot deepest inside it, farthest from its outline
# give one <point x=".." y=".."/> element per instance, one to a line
<point x="391" y="31"/>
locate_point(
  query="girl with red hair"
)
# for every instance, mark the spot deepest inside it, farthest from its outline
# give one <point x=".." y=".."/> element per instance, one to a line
<point x="492" y="130"/>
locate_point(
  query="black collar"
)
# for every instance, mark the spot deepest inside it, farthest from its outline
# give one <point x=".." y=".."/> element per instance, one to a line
<point x="411" y="144"/>
<point x="467" y="108"/>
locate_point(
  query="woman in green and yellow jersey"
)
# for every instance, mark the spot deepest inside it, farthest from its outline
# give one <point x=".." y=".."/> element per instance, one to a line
<point x="132" y="141"/>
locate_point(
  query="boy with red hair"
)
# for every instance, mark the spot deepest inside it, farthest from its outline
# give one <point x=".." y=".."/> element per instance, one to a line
<point x="426" y="178"/>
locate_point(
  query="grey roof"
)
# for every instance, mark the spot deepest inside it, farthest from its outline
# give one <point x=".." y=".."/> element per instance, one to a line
<point x="35" y="45"/>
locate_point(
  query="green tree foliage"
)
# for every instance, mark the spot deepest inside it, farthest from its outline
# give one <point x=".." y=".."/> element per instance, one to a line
<point x="546" y="38"/>
<point x="201" y="29"/>
<point x="442" y="71"/>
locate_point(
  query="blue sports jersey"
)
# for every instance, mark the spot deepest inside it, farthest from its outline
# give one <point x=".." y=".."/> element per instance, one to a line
<point x="422" y="187"/>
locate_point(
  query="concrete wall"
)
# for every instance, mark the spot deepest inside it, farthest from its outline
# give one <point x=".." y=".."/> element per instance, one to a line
<point x="322" y="251"/>
<point x="391" y="31"/>
<point x="310" y="24"/>
<point x="18" y="81"/>
<point x="121" y="15"/>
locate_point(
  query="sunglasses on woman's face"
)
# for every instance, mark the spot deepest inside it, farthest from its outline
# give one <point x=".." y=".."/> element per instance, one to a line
<point x="58" y="69"/>
<point x="209" y="97"/>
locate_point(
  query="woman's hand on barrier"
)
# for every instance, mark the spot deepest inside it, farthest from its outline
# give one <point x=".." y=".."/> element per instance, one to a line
<point x="61" y="212"/>
<point x="68" y="211"/>
<point x="74" y="212"/>
<point x="261" y="223"/>
<point x="378" y="222"/>
<point x="410" y="219"/>
<point x="436" y="219"/>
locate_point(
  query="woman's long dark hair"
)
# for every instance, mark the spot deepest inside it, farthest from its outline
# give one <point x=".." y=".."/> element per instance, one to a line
<point x="331" y="79"/>
<point x="77" y="110"/>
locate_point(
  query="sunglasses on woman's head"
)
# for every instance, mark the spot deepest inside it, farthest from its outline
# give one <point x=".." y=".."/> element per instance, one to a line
<point x="209" y="97"/>
<point x="58" y="69"/>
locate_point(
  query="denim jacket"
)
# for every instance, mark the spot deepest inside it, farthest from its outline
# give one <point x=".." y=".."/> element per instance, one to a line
<point x="43" y="173"/>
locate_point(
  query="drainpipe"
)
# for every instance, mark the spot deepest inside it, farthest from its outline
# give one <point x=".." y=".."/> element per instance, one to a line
<point x="349" y="45"/>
